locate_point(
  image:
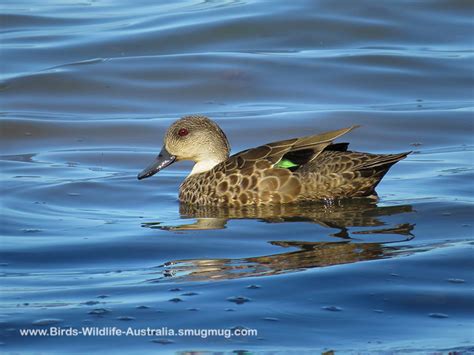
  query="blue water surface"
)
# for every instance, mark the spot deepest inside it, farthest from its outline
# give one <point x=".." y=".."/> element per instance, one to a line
<point x="87" y="90"/>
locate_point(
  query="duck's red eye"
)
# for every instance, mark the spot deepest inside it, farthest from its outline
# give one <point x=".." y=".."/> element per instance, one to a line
<point x="183" y="132"/>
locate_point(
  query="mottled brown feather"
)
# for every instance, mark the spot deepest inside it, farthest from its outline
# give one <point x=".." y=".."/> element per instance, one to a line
<point x="328" y="172"/>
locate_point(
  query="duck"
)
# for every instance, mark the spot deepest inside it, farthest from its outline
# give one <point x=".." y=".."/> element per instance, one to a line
<point x="291" y="171"/>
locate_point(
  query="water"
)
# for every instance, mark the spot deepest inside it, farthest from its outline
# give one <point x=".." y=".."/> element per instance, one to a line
<point x="87" y="91"/>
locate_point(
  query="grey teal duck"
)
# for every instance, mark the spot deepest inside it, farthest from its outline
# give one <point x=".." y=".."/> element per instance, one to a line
<point x="290" y="171"/>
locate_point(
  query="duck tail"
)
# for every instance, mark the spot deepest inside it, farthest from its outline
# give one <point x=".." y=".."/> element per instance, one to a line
<point x="382" y="162"/>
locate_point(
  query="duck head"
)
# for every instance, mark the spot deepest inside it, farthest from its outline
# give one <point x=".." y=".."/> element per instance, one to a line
<point x="195" y="138"/>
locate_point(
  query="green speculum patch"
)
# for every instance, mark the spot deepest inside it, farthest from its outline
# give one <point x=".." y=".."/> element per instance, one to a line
<point x="285" y="164"/>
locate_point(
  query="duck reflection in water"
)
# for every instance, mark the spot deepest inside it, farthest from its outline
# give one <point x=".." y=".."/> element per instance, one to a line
<point x="342" y="215"/>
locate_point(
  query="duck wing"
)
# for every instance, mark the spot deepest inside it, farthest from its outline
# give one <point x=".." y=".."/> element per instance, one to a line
<point x="303" y="149"/>
<point x="265" y="173"/>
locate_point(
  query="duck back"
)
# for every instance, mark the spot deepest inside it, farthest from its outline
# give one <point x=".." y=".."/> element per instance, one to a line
<point x="338" y="173"/>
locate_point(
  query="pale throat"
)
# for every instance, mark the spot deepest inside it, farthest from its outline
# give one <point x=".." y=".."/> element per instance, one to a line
<point x="204" y="165"/>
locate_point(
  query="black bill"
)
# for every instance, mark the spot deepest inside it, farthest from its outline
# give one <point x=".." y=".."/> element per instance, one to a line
<point x="162" y="161"/>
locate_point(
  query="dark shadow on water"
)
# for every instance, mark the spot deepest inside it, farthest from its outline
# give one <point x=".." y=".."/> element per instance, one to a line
<point x="307" y="256"/>
<point x="342" y="215"/>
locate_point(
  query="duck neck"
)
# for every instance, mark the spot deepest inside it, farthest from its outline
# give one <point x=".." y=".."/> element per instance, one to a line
<point x="204" y="165"/>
